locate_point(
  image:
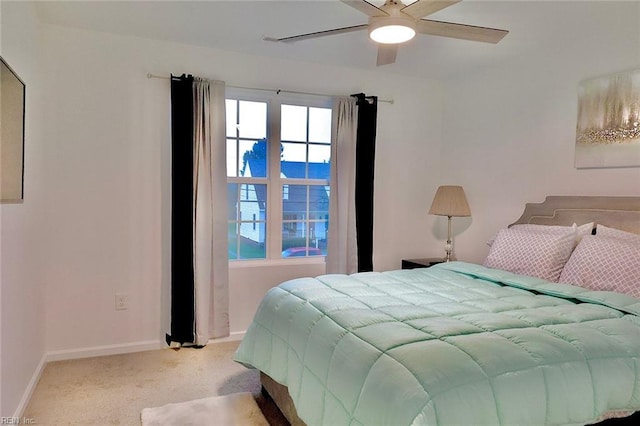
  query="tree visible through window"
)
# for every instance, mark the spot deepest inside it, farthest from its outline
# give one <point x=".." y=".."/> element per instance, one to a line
<point x="278" y="186"/>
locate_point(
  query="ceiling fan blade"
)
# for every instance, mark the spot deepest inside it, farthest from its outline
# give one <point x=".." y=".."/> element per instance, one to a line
<point x="317" y="34"/>
<point x="461" y="31"/>
<point x="365" y="7"/>
<point x="423" y="8"/>
<point x="387" y="54"/>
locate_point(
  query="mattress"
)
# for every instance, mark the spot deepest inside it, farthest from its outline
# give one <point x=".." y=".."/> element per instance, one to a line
<point x="456" y="343"/>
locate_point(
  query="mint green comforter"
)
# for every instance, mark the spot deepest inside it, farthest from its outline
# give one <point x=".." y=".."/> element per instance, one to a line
<point x="454" y="344"/>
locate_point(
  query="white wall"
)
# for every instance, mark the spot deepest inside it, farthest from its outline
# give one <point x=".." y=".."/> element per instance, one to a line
<point x="107" y="170"/>
<point x="510" y="131"/>
<point x="21" y="281"/>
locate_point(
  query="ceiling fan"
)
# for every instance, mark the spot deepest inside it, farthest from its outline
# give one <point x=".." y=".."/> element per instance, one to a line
<point x="394" y="23"/>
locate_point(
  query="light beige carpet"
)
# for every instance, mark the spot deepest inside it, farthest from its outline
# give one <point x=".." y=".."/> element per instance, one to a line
<point x="113" y="390"/>
<point x="239" y="409"/>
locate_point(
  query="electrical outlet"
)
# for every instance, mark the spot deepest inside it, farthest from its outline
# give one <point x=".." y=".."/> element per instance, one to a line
<point x="122" y="301"/>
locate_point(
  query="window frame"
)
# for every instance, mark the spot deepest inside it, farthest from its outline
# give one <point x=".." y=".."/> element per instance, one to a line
<point x="274" y="182"/>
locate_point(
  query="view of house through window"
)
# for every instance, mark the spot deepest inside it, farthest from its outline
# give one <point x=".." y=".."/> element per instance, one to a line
<point x="278" y="160"/>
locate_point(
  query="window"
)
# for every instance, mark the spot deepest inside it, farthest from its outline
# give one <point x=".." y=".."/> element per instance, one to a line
<point x="278" y="162"/>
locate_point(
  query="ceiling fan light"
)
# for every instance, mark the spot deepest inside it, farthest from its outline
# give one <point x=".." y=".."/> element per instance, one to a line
<point x="391" y="30"/>
<point x="392" y="34"/>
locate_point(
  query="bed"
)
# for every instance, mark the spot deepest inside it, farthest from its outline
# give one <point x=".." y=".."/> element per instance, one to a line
<point x="460" y="343"/>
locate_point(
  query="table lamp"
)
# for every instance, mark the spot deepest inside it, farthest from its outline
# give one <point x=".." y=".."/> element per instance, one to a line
<point x="450" y="201"/>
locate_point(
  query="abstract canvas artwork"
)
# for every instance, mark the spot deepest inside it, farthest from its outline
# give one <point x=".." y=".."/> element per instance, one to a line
<point x="608" y="130"/>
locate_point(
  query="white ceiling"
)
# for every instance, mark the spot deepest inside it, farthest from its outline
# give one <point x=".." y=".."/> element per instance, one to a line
<point x="239" y="25"/>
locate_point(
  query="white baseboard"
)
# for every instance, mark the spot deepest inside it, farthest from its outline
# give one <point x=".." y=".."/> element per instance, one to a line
<point x="35" y="378"/>
<point x="78" y="353"/>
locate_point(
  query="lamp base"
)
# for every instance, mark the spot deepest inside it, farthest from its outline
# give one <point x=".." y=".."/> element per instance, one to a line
<point x="449" y="257"/>
<point x="448" y="247"/>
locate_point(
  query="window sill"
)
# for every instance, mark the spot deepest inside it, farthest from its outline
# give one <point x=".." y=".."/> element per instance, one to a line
<point x="261" y="263"/>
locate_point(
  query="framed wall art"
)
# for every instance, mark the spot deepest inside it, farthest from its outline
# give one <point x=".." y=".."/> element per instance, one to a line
<point x="608" y="129"/>
<point x="12" y="115"/>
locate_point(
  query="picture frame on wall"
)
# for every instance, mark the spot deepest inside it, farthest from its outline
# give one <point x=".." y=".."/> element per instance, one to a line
<point x="608" y="127"/>
<point x="12" y="124"/>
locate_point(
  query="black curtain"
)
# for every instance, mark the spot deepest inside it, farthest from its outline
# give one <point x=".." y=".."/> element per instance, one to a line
<point x="182" y="275"/>
<point x="365" y="165"/>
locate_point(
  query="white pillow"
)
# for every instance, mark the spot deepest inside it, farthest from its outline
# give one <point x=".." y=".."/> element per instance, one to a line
<point x="536" y="254"/>
<point x="605" y="264"/>
<point x="583" y="230"/>
<point x="603" y="231"/>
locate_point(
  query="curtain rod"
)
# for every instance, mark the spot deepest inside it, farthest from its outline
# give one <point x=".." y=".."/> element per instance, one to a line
<point x="278" y="91"/>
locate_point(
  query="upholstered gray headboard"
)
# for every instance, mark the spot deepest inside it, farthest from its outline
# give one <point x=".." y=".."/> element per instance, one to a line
<point x="615" y="212"/>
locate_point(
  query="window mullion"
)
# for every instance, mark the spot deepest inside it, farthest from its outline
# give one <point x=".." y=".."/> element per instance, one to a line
<point x="274" y="221"/>
<point x="307" y="223"/>
<point x="306" y="174"/>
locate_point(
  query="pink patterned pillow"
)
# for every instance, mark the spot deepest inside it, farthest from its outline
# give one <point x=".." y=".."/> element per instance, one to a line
<point x="580" y="231"/>
<point x="605" y="264"/>
<point x="603" y="231"/>
<point x="523" y="252"/>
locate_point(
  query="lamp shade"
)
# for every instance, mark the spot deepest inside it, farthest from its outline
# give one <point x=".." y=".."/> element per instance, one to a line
<point x="450" y="201"/>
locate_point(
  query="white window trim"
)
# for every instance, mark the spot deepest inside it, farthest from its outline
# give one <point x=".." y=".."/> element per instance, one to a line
<point x="274" y="182"/>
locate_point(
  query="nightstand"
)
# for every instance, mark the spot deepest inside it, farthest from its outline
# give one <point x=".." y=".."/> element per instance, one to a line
<point x="421" y="263"/>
